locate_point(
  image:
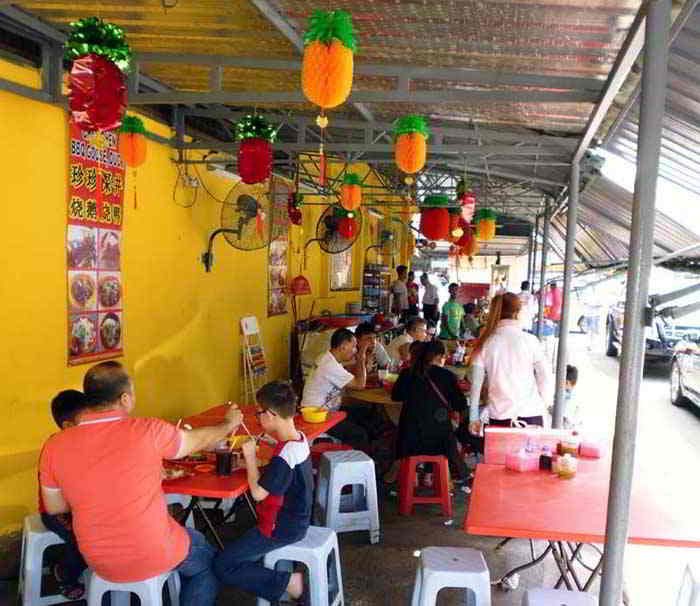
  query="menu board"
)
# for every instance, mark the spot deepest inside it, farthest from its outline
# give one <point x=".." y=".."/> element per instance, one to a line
<point x="94" y="246"/>
<point x="277" y="276"/>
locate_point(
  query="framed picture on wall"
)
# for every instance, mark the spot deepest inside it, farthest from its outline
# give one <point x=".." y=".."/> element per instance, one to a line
<point x="340" y="265"/>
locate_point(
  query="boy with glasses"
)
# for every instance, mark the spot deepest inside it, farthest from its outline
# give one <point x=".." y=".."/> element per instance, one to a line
<point x="284" y="496"/>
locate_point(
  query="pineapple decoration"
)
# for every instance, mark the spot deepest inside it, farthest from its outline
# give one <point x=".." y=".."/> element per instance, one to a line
<point x="256" y="136"/>
<point x="485" y="219"/>
<point x="434" y="217"/>
<point x="351" y="192"/>
<point x="132" y="141"/>
<point x="327" y="67"/>
<point x="410" y="149"/>
<point x="100" y="56"/>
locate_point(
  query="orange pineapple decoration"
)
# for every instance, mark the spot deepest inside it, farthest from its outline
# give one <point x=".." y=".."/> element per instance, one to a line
<point x="411" y="135"/>
<point x="326" y="71"/>
<point x="351" y="192"/>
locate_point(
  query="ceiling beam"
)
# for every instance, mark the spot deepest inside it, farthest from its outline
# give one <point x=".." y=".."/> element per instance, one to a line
<point x="450" y="95"/>
<point x="403" y="72"/>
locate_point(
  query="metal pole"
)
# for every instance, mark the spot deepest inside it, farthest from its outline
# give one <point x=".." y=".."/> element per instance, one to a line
<point x="641" y="241"/>
<point x="530" y="243"/>
<point x="569" y="254"/>
<point x="543" y="266"/>
<point x="534" y="253"/>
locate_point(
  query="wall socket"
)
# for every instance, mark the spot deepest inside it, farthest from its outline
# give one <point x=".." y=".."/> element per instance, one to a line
<point x="191" y="181"/>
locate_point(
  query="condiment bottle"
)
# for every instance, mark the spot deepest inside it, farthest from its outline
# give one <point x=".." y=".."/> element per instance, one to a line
<point x="546" y="459"/>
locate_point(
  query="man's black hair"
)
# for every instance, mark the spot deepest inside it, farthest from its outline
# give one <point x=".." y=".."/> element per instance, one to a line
<point x="105" y="382"/>
<point x="366" y="328"/>
<point x="414" y="323"/>
<point x="66" y="405"/>
<point x="340" y="336"/>
<point x="525" y="285"/>
<point x="571" y="374"/>
<point x="279" y="397"/>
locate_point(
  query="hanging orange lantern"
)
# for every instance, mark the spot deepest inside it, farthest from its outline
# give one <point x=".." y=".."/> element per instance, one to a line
<point x="351" y="192"/>
<point x="326" y="70"/>
<point x="434" y="218"/>
<point x="132" y="141"/>
<point x="485" y="220"/>
<point x="410" y="149"/>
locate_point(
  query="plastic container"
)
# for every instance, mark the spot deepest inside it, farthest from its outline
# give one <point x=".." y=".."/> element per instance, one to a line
<point x="314" y="414"/>
<point x="567" y="466"/>
<point x="522" y="461"/>
<point x="590" y="450"/>
<point x="569" y="446"/>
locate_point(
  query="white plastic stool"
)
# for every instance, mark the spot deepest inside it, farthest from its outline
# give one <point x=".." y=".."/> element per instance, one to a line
<point x="689" y="594"/>
<point x="342" y="468"/>
<point x="558" y="597"/>
<point x="319" y="551"/>
<point x="36" y="538"/>
<point x="150" y="591"/>
<point x="452" y="567"/>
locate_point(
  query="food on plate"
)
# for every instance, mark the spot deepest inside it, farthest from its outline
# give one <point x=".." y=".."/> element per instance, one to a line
<point x="83" y="336"/>
<point x="81" y="249"/>
<point x="204" y="468"/>
<point x="282" y="279"/>
<point x="173" y="473"/>
<point x="109" y="291"/>
<point x="82" y="288"/>
<point x="110" y="331"/>
<point x="109" y="250"/>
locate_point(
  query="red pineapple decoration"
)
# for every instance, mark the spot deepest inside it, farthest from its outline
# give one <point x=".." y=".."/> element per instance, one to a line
<point x="255" y="151"/>
<point x="100" y="55"/>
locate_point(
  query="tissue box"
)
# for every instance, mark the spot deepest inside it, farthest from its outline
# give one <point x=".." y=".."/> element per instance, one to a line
<point x="522" y="461"/>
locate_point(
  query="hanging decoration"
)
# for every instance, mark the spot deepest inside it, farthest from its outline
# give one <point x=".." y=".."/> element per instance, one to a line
<point x="326" y="70"/>
<point x="485" y="220"/>
<point x="434" y="218"/>
<point x="347" y="226"/>
<point x="466" y="198"/>
<point x="99" y="55"/>
<point x="466" y="236"/>
<point x="351" y="192"/>
<point x="410" y="148"/>
<point x="294" y="202"/>
<point x="455" y="228"/>
<point x="132" y="141"/>
<point x="256" y="136"/>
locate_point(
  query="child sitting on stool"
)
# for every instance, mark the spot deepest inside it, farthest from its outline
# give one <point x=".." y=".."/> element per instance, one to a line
<point x="284" y="495"/>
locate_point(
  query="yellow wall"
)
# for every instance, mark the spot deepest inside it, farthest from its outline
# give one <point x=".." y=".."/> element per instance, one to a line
<point x="181" y="324"/>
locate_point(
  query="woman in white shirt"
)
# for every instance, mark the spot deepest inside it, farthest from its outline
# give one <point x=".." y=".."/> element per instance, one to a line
<point x="519" y="380"/>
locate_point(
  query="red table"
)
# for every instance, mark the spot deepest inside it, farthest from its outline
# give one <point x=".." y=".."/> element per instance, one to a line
<point x="539" y="505"/>
<point x="500" y="440"/>
<point x="210" y="485"/>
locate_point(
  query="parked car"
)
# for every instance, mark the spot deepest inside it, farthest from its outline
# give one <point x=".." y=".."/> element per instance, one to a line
<point x="661" y="337"/>
<point x="685" y="374"/>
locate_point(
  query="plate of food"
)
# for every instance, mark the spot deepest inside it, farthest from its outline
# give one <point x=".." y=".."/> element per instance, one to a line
<point x="204" y="468"/>
<point x="83" y="335"/>
<point x="82" y="290"/>
<point x="110" y="331"/>
<point x="81" y="247"/>
<point x="110" y="251"/>
<point x="109" y="291"/>
<point x="175" y="473"/>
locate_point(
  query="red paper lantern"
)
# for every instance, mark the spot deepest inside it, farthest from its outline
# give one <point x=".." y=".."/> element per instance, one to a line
<point x="293" y="210"/>
<point x="254" y="160"/>
<point x="347" y="228"/>
<point x="132" y="147"/>
<point x="97" y="93"/>
<point x="467" y="235"/>
<point x="435" y="223"/>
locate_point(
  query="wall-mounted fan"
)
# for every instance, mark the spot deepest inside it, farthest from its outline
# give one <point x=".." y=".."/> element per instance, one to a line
<point x="249" y="218"/>
<point x="388" y="238"/>
<point x="337" y="230"/>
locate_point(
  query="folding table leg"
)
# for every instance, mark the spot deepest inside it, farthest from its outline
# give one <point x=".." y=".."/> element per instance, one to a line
<point x="570" y="563"/>
<point x="560" y="559"/>
<point x="522" y="567"/>
<point x="250" y="506"/>
<point x="207" y="521"/>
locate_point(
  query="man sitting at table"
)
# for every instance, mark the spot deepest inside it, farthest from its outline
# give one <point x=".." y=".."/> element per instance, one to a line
<point x="376" y="356"/>
<point x="416" y="330"/>
<point x="106" y="471"/>
<point x="325" y="386"/>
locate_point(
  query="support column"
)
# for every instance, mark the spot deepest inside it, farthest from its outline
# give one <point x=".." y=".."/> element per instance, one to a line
<point x="569" y="259"/>
<point x="530" y="245"/>
<point x="534" y="253"/>
<point x="652" y="103"/>
<point x="543" y="265"/>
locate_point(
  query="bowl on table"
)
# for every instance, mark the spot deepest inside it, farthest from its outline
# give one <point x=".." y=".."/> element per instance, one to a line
<point x="314" y="414"/>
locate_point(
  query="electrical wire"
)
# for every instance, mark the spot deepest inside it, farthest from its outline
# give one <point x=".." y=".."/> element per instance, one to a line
<point x="206" y="189"/>
<point x="177" y="181"/>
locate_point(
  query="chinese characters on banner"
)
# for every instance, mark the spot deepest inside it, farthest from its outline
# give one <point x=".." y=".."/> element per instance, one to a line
<point x="94" y="246"/>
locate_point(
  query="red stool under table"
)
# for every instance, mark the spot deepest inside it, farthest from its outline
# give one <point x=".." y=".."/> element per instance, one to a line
<point x="407" y="484"/>
<point x="319" y="448"/>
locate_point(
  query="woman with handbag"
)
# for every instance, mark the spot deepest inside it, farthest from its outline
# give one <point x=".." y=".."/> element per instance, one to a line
<point x="519" y="380"/>
<point x="430" y="394"/>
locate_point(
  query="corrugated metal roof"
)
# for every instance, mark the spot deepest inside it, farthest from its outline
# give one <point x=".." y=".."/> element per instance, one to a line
<point x="680" y="159"/>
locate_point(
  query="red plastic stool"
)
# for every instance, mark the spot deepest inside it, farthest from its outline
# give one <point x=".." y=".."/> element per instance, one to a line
<point x="407" y="483"/>
<point x="318" y="449"/>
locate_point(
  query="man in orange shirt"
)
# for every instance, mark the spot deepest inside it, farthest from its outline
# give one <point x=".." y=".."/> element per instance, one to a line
<point x="106" y="471"/>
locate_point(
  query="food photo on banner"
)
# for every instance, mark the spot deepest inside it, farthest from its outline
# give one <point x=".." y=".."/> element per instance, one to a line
<point x="94" y="246"/>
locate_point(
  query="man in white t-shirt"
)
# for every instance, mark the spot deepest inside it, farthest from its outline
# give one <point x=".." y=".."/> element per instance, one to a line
<point x="416" y="330"/>
<point x="399" y="292"/>
<point x="325" y="385"/>
<point x="528" y="305"/>
<point x="431" y="301"/>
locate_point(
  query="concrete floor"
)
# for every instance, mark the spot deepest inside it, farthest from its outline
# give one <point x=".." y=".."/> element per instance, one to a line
<point x="668" y="442"/>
